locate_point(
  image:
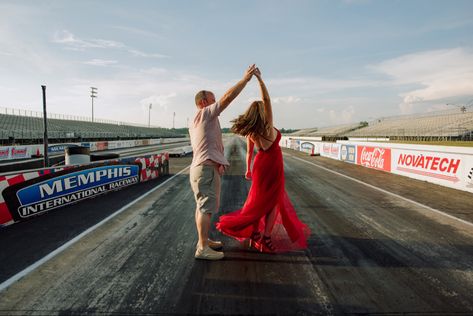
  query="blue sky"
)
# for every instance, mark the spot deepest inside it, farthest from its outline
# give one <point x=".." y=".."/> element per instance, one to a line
<point x="325" y="62"/>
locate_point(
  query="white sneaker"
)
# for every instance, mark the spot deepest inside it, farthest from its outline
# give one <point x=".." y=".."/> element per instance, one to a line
<point x="215" y="244"/>
<point x="208" y="253"/>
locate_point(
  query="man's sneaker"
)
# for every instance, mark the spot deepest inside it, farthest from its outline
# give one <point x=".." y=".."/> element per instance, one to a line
<point x="208" y="253"/>
<point x="214" y="244"/>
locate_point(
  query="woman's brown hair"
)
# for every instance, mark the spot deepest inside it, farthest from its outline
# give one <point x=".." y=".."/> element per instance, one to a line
<point x="253" y="122"/>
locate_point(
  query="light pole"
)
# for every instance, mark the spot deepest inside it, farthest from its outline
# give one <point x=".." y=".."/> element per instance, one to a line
<point x="93" y="94"/>
<point x="173" y="117"/>
<point x="45" y="136"/>
<point x="149" y="114"/>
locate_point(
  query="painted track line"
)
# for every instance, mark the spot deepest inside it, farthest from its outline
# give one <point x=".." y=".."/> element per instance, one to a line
<point x="71" y="242"/>
<point x="387" y="192"/>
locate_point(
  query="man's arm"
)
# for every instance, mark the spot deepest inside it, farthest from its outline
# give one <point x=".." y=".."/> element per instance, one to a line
<point x="249" y="156"/>
<point x="234" y="91"/>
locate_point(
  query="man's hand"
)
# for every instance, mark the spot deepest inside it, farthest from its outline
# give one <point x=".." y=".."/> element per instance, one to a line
<point x="249" y="72"/>
<point x="248" y="175"/>
<point x="221" y="170"/>
<point x="236" y="89"/>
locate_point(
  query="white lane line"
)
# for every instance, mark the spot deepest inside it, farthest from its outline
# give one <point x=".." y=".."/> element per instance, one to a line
<point x="71" y="242"/>
<point x="387" y="192"/>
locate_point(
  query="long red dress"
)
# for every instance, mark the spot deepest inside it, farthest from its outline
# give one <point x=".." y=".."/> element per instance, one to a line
<point x="266" y="193"/>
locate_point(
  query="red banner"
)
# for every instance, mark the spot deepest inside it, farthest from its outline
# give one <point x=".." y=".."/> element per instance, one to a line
<point x="374" y="157"/>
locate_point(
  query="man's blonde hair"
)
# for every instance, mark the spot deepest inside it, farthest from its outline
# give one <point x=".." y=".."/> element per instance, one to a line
<point x="201" y="95"/>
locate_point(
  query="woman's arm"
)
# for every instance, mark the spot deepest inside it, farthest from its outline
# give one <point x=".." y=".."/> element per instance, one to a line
<point x="268" y="111"/>
<point x="249" y="156"/>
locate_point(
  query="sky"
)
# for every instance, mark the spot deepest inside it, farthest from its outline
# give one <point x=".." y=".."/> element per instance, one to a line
<point x="325" y="63"/>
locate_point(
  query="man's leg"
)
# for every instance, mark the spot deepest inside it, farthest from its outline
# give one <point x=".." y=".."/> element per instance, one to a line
<point x="202" y="222"/>
<point x="204" y="191"/>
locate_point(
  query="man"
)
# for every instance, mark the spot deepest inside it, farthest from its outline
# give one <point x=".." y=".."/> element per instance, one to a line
<point x="209" y="162"/>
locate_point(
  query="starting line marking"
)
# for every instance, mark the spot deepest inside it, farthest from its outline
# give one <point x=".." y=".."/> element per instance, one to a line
<point x="387" y="192"/>
<point x="71" y="242"/>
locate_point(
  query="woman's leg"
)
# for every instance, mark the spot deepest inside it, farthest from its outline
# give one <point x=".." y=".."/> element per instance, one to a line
<point x="270" y="220"/>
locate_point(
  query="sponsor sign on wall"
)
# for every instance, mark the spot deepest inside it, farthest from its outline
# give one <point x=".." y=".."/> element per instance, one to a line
<point x="330" y="150"/>
<point x="374" y="157"/>
<point x="42" y="194"/>
<point x="311" y="148"/>
<point x="59" y="148"/>
<point x="447" y="169"/>
<point x="348" y="153"/>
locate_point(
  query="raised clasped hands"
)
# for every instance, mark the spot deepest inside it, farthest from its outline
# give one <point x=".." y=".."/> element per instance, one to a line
<point x="250" y="72"/>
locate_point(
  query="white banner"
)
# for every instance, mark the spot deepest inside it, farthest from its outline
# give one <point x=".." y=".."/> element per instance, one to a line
<point x="330" y="150"/>
<point x="447" y="169"/>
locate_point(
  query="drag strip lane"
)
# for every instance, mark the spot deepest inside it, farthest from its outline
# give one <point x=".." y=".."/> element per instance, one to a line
<point x="377" y="253"/>
<point x="369" y="252"/>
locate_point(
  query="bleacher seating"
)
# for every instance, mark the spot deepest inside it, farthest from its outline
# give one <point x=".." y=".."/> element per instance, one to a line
<point x="20" y="127"/>
<point x="452" y="124"/>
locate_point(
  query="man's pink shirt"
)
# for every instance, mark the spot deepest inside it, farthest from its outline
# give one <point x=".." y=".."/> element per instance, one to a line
<point x="206" y="136"/>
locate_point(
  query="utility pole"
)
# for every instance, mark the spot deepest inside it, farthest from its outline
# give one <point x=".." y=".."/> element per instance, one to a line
<point x="45" y="136"/>
<point x="93" y="94"/>
<point x="173" y="117"/>
<point x="149" y="114"/>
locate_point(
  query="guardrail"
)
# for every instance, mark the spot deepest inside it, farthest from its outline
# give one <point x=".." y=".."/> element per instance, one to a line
<point x="443" y="165"/>
<point x="29" y="194"/>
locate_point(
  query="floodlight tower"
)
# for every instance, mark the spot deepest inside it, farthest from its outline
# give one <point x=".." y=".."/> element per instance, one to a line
<point x="93" y="94"/>
<point x="149" y="114"/>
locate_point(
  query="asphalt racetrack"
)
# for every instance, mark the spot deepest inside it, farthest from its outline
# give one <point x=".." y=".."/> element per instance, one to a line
<point x="381" y="244"/>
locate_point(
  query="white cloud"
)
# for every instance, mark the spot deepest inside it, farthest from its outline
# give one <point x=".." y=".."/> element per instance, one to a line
<point x="438" y="74"/>
<point x="138" y="53"/>
<point x="72" y="42"/>
<point x="344" y="116"/>
<point x="286" y="100"/>
<point x="161" y="100"/>
<point x="100" y="62"/>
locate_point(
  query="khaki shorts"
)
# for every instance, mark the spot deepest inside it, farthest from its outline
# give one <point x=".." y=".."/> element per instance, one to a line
<point x="205" y="182"/>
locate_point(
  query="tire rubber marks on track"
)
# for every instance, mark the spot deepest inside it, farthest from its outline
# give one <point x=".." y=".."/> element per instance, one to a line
<point x="469" y="224"/>
<point x="71" y="242"/>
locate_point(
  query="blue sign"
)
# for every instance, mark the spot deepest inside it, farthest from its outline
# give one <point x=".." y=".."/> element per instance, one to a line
<point x="348" y="153"/>
<point x="59" y="148"/>
<point x="73" y="187"/>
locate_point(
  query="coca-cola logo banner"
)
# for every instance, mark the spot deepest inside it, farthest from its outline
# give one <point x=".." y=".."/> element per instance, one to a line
<point x="374" y="157"/>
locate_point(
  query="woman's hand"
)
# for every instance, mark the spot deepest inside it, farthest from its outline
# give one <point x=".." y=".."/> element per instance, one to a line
<point x="257" y="73"/>
<point x="248" y="175"/>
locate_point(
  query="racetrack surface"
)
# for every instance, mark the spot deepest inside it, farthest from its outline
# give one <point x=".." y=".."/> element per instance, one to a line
<point x="380" y="244"/>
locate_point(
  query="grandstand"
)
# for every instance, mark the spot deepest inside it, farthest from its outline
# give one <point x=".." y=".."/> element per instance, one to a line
<point x="440" y="125"/>
<point x="21" y="128"/>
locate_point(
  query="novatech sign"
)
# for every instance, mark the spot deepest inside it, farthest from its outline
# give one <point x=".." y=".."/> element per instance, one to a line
<point x="73" y="187"/>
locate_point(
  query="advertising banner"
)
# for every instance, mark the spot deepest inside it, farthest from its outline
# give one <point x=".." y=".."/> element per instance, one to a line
<point x="453" y="170"/>
<point x="348" y="153"/>
<point x="59" y="148"/>
<point x="330" y="150"/>
<point x="374" y="157"/>
<point x="312" y="148"/>
<point x="42" y="194"/>
<point x="15" y="152"/>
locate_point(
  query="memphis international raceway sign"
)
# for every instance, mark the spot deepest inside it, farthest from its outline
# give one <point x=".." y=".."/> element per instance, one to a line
<point x="38" y="195"/>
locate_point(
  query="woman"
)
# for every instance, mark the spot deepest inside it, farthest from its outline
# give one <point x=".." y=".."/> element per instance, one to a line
<point x="268" y="217"/>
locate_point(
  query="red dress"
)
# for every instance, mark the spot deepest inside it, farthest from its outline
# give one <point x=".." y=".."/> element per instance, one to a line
<point x="266" y="193"/>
